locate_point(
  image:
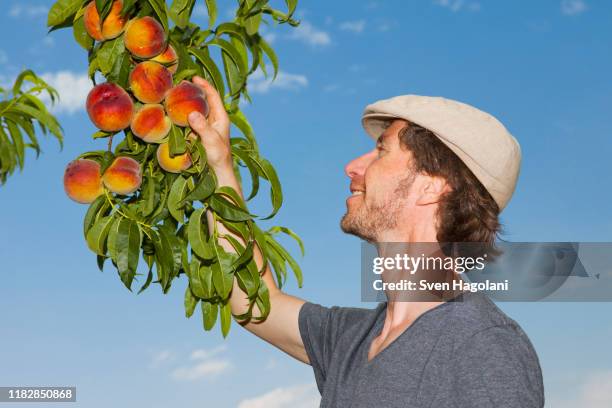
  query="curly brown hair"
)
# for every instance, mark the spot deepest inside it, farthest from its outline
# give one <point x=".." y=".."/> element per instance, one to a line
<point x="467" y="213"/>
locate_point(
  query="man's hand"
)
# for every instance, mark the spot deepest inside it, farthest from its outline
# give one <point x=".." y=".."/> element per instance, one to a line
<point x="214" y="131"/>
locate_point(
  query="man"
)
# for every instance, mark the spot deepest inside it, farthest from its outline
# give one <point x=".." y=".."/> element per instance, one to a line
<point x="441" y="171"/>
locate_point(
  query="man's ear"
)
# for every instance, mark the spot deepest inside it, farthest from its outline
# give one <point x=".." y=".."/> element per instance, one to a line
<point x="432" y="190"/>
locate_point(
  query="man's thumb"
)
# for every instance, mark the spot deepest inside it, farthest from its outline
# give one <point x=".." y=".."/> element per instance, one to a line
<point x="197" y="121"/>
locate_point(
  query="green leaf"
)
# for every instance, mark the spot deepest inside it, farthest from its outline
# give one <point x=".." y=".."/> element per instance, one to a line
<point x="226" y="318"/>
<point x="108" y="54"/>
<point x="228" y="210"/>
<point x="267" y="49"/>
<point x="129" y="238"/>
<point x="165" y="259"/>
<point x="276" y="192"/>
<point x="80" y="35"/>
<point x="176" y="141"/>
<point x="190" y="302"/>
<point x="211" y="6"/>
<point x="223" y="274"/>
<point x="204" y="189"/>
<point x="103" y="7"/>
<point x="276" y="229"/>
<point x="276" y="247"/>
<point x="209" y="315"/>
<point x="160" y="9"/>
<point x="180" y="11"/>
<point x="198" y="238"/>
<point x="147" y="282"/>
<point x="62" y="11"/>
<point x="211" y="68"/>
<point x="97" y="234"/>
<point x="179" y="189"/>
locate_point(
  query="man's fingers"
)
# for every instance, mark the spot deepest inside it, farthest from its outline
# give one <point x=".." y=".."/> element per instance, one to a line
<point x="197" y="121"/>
<point x="217" y="110"/>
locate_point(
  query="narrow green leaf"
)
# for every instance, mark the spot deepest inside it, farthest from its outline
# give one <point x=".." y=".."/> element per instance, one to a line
<point x="190" y="302"/>
<point x="209" y="314"/>
<point x="176" y="141"/>
<point x="97" y="234"/>
<point x="160" y="9"/>
<point x="203" y="189"/>
<point x="80" y="34"/>
<point x="227" y="209"/>
<point x="129" y="238"/>
<point x="180" y="11"/>
<point x="226" y="318"/>
<point x="179" y="189"/>
<point x="198" y="238"/>
<point x="62" y="11"/>
<point x="211" y="5"/>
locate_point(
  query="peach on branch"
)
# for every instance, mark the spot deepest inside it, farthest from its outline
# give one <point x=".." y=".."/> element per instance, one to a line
<point x="149" y="81"/>
<point x="110" y="107"/>
<point x="112" y="26"/>
<point x="174" y="164"/>
<point x="183" y="99"/>
<point x="168" y="58"/>
<point x="145" y="37"/>
<point x="123" y="176"/>
<point x="150" y="123"/>
<point x="82" y="180"/>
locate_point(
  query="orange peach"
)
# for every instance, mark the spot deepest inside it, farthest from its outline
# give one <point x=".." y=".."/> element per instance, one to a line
<point x="174" y="164"/>
<point x="145" y="37"/>
<point x="168" y="58"/>
<point x="111" y="27"/>
<point x="110" y="107"/>
<point x="149" y="81"/>
<point x="82" y="181"/>
<point x="150" y="123"/>
<point x="123" y="176"/>
<point x="183" y="99"/>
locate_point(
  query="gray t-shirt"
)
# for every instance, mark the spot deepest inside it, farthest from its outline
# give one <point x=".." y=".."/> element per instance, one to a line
<point x="462" y="353"/>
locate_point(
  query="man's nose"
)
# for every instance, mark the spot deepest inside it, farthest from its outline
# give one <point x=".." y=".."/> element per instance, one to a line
<point x="358" y="166"/>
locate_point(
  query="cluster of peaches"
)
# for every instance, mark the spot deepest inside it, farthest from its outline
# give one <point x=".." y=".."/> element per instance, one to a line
<point x="159" y="104"/>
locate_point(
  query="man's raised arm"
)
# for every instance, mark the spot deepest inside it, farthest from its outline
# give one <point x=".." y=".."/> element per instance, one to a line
<point x="281" y="327"/>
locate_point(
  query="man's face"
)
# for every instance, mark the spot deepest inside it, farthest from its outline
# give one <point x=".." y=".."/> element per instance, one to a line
<point x="381" y="181"/>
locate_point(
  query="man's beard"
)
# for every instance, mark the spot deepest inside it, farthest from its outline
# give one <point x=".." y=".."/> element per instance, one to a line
<point x="369" y="221"/>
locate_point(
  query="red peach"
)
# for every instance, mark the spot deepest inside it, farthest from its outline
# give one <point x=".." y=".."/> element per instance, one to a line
<point x="123" y="176"/>
<point x="183" y="99"/>
<point x="149" y="81"/>
<point x="82" y="181"/>
<point x="168" y="58"/>
<point x="110" y="107"/>
<point x="150" y="123"/>
<point x="145" y="37"/>
<point x="111" y="27"/>
<point x="174" y="164"/>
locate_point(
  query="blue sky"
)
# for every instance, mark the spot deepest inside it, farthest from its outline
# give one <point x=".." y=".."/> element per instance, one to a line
<point x="543" y="68"/>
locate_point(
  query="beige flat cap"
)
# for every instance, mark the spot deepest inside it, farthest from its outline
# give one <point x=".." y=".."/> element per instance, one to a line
<point x="481" y="141"/>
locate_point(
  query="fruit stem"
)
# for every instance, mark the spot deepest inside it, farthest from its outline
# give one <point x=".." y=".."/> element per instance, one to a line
<point x="118" y="211"/>
<point x="110" y="142"/>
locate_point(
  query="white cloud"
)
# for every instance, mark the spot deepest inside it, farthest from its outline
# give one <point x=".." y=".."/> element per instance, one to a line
<point x="595" y="392"/>
<point x="202" y="369"/>
<point x="28" y="10"/>
<point x="206" y="365"/>
<point x="573" y="7"/>
<point x="260" y="84"/>
<point x="353" y="26"/>
<point x="310" y="35"/>
<point x="72" y="88"/>
<point x="161" y="357"/>
<point x="458" y="5"/>
<point x="299" y="396"/>
<point x="202" y="354"/>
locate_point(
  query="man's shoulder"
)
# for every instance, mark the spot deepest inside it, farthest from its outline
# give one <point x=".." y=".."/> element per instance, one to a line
<point x="475" y="313"/>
